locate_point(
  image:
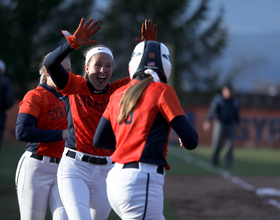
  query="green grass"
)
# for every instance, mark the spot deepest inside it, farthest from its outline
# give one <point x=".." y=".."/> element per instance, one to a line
<point x="9" y="157"/>
<point x="262" y="162"/>
<point x="249" y="162"/>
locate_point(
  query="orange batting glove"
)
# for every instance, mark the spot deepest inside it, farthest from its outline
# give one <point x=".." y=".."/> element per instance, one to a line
<point x="148" y="32"/>
<point x="82" y="34"/>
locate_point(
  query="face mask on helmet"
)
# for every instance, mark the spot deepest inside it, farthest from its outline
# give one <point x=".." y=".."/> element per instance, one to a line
<point x="150" y="55"/>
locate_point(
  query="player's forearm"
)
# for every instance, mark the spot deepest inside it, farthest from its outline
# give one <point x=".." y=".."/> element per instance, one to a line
<point x="185" y="131"/>
<point x="25" y="131"/>
<point x="104" y="136"/>
<point x="53" y="65"/>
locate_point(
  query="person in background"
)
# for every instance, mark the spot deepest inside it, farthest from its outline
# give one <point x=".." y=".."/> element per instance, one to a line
<point x="83" y="168"/>
<point x="42" y="124"/>
<point x="7" y="98"/>
<point x="136" y="125"/>
<point x="225" y="110"/>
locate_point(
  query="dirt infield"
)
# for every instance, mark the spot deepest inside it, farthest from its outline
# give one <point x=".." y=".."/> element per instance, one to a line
<point x="217" y="198"/>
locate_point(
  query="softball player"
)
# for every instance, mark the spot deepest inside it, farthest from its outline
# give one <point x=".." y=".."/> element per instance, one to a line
<point x="136" y="124"/>
<point x="42" y="123"/>
<point x="83" y="168"/>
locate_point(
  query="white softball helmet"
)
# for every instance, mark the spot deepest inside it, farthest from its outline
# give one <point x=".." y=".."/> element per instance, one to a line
<point x="150" y="55"/>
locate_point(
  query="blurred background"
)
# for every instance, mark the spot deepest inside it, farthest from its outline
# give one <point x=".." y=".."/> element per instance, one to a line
<point x="212" y="42"/>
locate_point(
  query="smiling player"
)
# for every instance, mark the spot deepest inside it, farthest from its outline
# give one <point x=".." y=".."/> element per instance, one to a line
<point x="83" y="168"/>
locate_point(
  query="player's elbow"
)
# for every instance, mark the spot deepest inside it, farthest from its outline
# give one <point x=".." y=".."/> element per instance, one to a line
<point x="192" y="143"/>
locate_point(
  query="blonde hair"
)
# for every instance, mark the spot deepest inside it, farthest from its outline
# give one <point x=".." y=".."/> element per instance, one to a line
<point x="43" y="77"/>
<point x="42" y="68"/>
<point x="130" y="98"/>
<point x="85" y="55"/>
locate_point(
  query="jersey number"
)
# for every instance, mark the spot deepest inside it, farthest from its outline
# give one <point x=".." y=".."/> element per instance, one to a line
<point x="129" y="119"/>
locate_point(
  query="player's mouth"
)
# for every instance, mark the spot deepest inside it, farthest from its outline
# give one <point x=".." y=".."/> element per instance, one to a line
<point x="101" y="78"/>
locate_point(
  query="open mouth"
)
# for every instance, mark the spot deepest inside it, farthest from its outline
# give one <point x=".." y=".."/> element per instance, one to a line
<point x="101" y="79"/>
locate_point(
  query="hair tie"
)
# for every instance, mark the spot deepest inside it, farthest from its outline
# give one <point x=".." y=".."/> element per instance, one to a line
<point x="153" y="74"/>
<point x="41" y="72"/>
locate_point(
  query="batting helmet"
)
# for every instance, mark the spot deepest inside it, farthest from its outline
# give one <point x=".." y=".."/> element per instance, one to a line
<point x="150" y="55"/>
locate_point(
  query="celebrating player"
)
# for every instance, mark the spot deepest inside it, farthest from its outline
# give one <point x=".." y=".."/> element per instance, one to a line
<point x="42" y="123"/>
<point x="83" y="168"/>
<point x="136" y="124"/>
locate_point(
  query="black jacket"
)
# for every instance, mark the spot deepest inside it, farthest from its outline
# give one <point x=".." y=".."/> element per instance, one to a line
<point x="7" y="98"/>
<point x="225" y="110"/>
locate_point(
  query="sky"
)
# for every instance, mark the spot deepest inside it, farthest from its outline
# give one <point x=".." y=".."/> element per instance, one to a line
<point x="254" y="39"/>
<point x="254" y="33"/>
<point x="250" y="16"/>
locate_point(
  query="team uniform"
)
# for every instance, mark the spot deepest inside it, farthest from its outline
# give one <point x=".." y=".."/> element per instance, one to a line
<point x="141" y="142"/>
<point x="83" y="168"/>
<point x="40" y="122"/>
<point x="135" y="183"/>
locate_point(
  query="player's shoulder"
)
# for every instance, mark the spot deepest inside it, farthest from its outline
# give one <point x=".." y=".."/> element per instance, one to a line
<point x="164" y="87"/>
<point x="119" y="83"/>
<point x="38" y="91"/>
<point x="120" y="90"/>
<point x="34" y="95"/>
<point x="76" y="77"/>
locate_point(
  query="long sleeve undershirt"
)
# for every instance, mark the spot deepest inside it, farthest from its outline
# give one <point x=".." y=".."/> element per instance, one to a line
<point x="105" y="138"/>
<point x="53" y="65"/>
<point x="27" y="131"/>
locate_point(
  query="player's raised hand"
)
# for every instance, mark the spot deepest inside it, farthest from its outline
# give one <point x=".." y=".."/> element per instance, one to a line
<point x="82" y="35"/>
<point x="148" y="32"/>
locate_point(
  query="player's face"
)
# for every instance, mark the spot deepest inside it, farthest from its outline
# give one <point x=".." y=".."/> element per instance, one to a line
<point x="100" y="70"/>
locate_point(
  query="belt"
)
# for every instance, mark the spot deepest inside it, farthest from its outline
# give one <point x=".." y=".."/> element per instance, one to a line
<point x="40" y="157"/>
<point x="89" y="159"/>
<point x="160" y="169"/>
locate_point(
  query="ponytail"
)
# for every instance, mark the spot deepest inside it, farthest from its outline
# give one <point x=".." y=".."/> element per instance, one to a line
<point x="130" y="98"/>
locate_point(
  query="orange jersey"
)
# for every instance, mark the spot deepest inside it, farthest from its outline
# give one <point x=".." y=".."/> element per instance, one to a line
<point x="144" y="136"/>
<point x="51" y="115"/>
<point x="86" y="109"/>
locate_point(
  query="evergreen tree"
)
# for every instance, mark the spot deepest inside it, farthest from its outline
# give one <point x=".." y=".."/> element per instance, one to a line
<point x="30" y="29"/>
<point x="193" y="45"/>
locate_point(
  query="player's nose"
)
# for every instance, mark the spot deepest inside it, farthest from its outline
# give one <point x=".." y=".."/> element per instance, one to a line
<point x="103" y="69"/>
